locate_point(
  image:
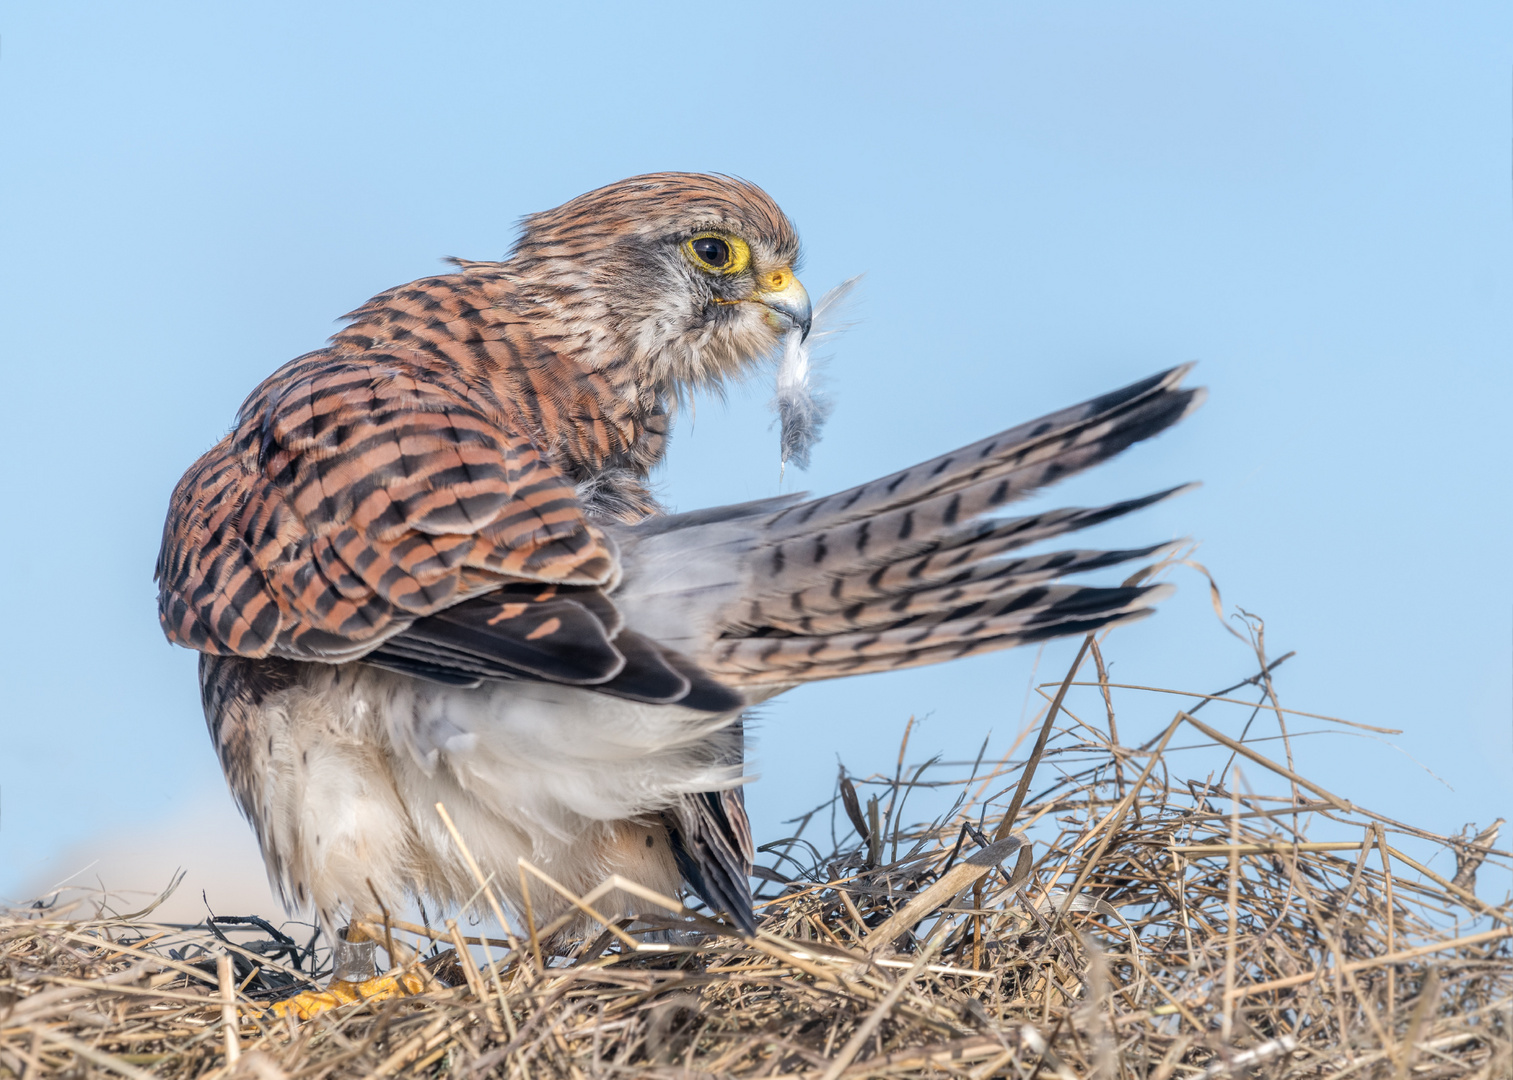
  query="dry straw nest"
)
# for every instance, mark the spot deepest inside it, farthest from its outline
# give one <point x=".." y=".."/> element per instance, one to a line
<point x="1103" y="919"/>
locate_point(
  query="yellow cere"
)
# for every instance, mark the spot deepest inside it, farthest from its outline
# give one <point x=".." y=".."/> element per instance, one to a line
<point x="740" y="252"/>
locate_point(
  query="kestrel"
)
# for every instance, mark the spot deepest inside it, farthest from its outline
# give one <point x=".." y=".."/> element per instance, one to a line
<point x="425" y="565"/>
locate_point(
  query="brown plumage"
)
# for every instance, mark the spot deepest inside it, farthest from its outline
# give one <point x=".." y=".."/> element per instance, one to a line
<point x="425" y="565"/>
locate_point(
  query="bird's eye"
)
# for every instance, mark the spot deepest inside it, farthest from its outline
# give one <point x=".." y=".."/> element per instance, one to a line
<point x="712" y="250"/>
<point x="720" y="253"/>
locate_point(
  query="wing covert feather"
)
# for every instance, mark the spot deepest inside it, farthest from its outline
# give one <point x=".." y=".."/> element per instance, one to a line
<point x="353" y="497"/>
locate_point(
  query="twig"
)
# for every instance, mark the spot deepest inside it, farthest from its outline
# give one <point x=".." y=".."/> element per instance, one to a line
<point x="1227" y="1024"/>
<point x="1006" y="824"/>
<point x="225" y="973"/>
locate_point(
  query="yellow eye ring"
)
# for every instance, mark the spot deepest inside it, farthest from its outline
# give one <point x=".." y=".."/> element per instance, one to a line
<point x="718" y="253"/>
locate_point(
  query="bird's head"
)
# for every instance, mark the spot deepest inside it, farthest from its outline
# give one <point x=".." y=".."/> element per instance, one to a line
<point x="688" y="277"/>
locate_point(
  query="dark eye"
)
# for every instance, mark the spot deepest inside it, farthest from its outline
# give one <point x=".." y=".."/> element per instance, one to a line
<point x="712" y="250"/>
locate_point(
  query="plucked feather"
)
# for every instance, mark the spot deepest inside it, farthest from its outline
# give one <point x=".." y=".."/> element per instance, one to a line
<point x="801" y="407"/>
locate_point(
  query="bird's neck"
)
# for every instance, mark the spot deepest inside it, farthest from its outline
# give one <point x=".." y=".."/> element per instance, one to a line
<point x="582" y="394"/>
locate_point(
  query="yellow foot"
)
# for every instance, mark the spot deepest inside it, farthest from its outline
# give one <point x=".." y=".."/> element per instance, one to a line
<point x="340" y="992"/>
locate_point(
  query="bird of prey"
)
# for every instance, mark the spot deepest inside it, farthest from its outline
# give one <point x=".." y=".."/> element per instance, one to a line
<point x="425" y="565"/>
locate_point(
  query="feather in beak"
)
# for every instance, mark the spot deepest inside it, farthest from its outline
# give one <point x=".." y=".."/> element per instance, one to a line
<point x="802" y="410"/>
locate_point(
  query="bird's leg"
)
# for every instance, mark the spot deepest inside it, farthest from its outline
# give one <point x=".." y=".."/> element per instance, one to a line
<point x="354" y="978"/>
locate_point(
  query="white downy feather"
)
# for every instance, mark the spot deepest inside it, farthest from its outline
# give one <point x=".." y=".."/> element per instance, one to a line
<point x="802" y="410"/>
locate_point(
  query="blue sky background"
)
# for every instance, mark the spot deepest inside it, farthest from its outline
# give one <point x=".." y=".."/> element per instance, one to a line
<point x="1048" y="201"/>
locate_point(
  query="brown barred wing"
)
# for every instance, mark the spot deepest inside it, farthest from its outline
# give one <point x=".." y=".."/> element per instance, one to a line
<point x="213" y="594"/>
<point x="353" y="497"/>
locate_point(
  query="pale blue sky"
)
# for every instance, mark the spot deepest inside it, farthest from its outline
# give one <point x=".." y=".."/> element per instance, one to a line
<point x="1048" y="201"/>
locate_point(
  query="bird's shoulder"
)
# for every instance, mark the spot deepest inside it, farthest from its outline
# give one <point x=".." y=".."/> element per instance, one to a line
<point x="478" y="333"/>
<point x="392" y="474"/>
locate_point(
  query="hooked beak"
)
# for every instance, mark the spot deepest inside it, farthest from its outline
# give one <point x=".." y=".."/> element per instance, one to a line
<point x="782" y="294"/>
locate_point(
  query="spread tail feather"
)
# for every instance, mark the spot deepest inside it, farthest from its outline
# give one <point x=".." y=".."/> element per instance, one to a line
<point x="910" y="569"/>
